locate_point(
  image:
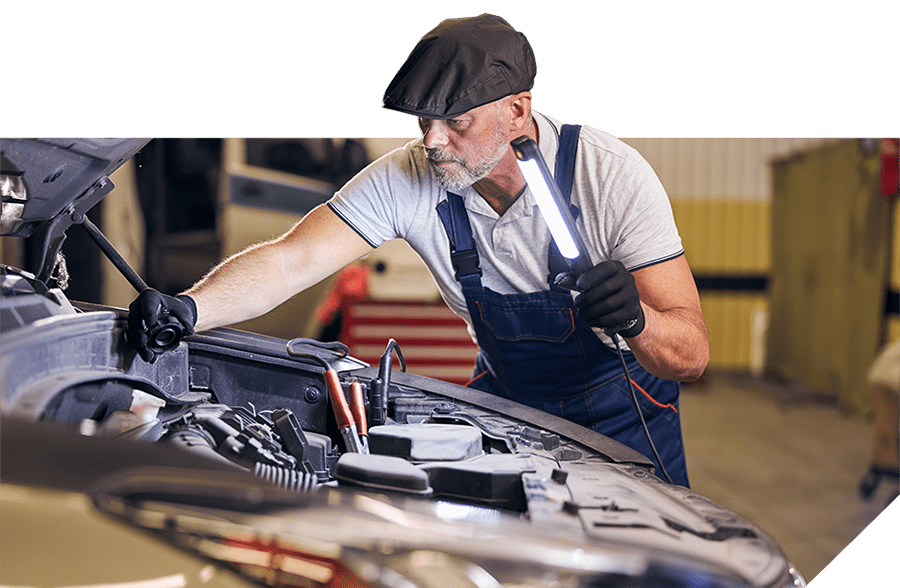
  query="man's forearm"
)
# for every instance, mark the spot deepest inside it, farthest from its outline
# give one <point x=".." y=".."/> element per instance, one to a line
<point x="674" y="344"/>
<point x="261" y="277"/>
<point x="242" y="287"/>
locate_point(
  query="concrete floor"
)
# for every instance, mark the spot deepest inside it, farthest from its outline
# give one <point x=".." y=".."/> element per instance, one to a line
<point x="788" y="462"/>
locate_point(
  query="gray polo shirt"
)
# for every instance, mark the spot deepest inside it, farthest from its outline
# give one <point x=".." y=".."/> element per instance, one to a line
<point x="625" y="214"/>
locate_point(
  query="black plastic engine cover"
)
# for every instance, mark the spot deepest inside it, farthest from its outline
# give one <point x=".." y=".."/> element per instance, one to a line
<point x="426" y="442"/>
<point x="492" y="480"/>
<point x="381" y="472"/>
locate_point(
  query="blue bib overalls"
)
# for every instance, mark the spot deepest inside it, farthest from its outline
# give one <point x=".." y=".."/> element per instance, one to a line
<point x="533" y="349"/>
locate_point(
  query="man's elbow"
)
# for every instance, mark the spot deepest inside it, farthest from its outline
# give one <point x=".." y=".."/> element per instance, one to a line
<point x="682" y="369"/>
<point x="695" y="365"/>
<point x="693" y="373"/>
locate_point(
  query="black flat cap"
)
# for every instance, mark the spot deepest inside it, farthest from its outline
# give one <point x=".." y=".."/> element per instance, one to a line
<point x="462" y="63"/>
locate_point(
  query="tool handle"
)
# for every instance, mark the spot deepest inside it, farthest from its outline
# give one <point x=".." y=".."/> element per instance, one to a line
<point x="358" y="407"/>
<point x="336" y="394"/>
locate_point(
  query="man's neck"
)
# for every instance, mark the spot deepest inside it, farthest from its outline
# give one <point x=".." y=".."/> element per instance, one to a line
<point x="503" y="186"/>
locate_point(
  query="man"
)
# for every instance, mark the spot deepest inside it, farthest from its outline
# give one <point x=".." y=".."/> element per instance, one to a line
<point x="458" y="197"/>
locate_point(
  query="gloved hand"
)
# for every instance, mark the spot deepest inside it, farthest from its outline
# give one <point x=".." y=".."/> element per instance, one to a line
<point x="609" y="299"/>
<point x="157" y="322"/>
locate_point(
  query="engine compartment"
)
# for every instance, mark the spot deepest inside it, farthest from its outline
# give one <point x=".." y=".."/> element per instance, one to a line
<point x="265" y="406"/>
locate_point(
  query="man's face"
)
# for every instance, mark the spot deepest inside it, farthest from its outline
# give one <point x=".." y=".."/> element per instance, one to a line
<point x="465" y="149"/>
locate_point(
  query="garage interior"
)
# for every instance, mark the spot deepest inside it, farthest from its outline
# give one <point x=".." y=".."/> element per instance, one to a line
<point x="794" y="243"/>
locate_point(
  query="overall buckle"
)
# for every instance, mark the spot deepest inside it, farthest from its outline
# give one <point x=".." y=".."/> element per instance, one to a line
<point x="465" y="263"/>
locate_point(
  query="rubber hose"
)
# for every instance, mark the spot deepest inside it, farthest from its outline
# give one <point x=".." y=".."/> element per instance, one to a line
<point x="285" y="478"/>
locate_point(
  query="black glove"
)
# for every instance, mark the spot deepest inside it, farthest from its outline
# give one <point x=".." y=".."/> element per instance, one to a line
<point x="609" y="299"/>
<point x="157" y="322"/>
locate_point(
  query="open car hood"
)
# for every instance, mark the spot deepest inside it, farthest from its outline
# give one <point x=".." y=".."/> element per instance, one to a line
<point x="41" y="179"/>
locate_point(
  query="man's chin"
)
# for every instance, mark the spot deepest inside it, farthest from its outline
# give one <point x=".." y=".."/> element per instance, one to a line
<point x="452" y="186"/>
<point x="447" y="180"/>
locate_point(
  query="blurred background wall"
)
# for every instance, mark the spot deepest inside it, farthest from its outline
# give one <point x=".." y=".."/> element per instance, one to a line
<point x="796" y="249"/>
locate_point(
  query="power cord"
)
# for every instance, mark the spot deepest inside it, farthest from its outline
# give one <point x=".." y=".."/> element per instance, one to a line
<point x="615" y="339"/>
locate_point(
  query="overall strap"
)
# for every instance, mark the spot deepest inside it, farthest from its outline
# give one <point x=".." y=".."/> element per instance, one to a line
<point x="565" y="160"/>
<point x="565" y="177"/>
<point x="463" y="255"/>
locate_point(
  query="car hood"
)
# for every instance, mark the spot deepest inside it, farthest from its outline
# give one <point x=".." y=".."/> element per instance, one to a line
<point x="41" y="179"/>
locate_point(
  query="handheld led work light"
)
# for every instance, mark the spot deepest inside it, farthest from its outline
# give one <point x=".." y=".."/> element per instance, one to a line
<point x="553" y="208"/>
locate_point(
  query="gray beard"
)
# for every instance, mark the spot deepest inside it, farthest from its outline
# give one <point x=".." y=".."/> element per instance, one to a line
<point x="464" y="177"/>
<point x="469" y="174"/>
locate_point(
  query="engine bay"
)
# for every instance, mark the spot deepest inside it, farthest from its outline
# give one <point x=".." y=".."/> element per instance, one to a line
<point x="237" y="397"/>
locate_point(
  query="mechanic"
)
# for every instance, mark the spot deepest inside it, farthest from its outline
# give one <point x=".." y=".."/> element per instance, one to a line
<point x="468" y="82"/>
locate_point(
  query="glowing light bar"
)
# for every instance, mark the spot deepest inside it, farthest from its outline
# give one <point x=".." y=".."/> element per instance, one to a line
<point x="550" y="202"/>
<point x="548" y="208"/>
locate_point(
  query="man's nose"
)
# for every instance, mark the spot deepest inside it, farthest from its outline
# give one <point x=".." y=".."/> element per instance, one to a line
<point x="434" y="134"/>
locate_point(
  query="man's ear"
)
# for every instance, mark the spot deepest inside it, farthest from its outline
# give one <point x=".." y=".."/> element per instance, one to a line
<point x="520" y="112"/>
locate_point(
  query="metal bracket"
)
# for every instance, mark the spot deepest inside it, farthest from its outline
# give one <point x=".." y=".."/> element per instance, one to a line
<point x="54" y="232"/>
